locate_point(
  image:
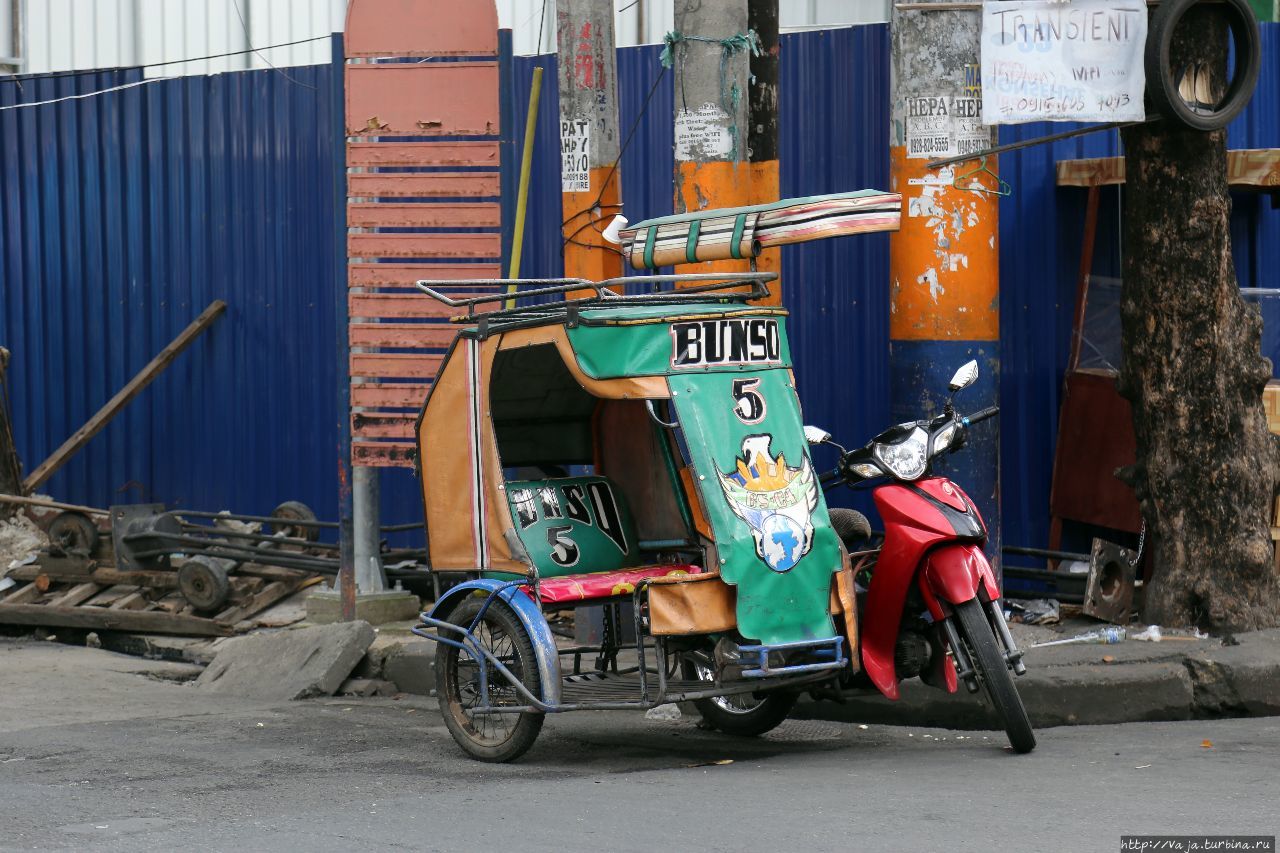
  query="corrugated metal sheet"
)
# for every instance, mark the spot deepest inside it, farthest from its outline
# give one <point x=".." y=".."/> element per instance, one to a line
<point x="123" y="215"/>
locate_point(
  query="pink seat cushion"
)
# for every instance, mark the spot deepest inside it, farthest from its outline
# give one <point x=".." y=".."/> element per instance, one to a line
<point x="573" y="588"/>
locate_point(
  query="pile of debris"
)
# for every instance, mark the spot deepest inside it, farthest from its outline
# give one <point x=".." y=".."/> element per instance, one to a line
<point x="143" y="569"/>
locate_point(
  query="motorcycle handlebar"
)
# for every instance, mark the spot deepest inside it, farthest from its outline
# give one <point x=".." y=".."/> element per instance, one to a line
<point x="976" y="417"/>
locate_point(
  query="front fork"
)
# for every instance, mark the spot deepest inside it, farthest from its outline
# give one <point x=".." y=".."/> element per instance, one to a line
<point x="964" y="667"/>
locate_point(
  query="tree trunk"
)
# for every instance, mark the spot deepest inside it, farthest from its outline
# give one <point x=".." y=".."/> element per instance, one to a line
<point x="1205" y="472"/>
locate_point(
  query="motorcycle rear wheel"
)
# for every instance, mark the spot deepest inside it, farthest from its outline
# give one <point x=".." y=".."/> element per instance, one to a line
<point x="489" y="737"/>
<point x="980" y="639"/>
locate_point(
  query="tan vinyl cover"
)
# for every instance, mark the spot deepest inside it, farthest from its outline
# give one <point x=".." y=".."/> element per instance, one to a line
<point x="691" y="604"/>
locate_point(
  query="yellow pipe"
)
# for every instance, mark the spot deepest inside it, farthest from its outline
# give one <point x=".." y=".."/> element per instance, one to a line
<point x="522" y="199"/>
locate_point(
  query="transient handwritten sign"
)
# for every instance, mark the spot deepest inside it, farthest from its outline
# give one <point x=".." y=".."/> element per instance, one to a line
<point x="575" y="155"/>
<point x="1044" y="60"/>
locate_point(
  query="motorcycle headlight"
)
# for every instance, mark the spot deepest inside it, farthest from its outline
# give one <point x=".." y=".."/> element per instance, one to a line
<point x="908" y="458"/>
<point x="943" y="440"/>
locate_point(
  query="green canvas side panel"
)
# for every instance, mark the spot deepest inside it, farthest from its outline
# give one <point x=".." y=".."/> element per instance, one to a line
<point x="762" y="498"/>
<point x="639" y="343"/>
<point x="573" y="525"/>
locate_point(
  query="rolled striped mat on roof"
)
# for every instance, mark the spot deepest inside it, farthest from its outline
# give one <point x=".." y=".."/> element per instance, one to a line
<point x="743" y="232"/>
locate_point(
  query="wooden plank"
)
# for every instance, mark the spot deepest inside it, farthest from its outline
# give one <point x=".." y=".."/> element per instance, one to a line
<point x="1247" y="169"/>
<point x="78" y="594"/>
<point x="384" y="454"/>
<point x="423" y="185"/>
<point x="476" y="214"/>
<point x="371" y="155"/>
<point x="104" y="618"/>
<point x="389" y="395"/>
<point x="80" y="572"/>
<point x="420" y="28"/>
<point x="113" y="406"/>
<point x="387" y="365"/>
<point x="360" y="245"/>
<point x="405" y="275"/>
<point x="41" y="502"/>
<point x="422" y="99"/>
<point x="23" y="595"/>
<point x="383" y="424"/>
<point x="401" y="305"/>
<point x="438" y="335"/>
<point x="133" y="601"/>
<point x="268" y="596"/>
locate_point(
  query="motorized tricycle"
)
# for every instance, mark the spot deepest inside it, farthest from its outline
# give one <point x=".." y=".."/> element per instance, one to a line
<point x="634" y="450"/>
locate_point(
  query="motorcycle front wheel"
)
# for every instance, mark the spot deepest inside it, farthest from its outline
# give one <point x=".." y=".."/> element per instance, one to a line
<point x="984" y="652"/>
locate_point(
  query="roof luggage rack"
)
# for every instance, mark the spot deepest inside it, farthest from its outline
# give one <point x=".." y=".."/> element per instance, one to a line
<point x="707" y="287"/>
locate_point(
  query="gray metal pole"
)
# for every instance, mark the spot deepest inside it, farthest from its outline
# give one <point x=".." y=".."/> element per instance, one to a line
<point x="365" y="494"/>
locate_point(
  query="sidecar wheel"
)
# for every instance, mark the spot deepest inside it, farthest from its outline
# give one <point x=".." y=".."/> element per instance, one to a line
<point x="742" y="714"/>
<point x="489" y="737"/>
<point x="978" y="636"/>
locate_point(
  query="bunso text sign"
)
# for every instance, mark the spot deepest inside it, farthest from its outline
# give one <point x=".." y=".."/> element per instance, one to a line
<point x="1053" y="61"/>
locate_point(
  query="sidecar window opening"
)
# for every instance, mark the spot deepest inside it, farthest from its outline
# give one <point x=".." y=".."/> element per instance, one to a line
<point x="547" y="426"/>
<point x="541" y="415"/>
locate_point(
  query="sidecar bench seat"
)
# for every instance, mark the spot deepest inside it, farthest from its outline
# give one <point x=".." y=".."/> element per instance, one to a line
<point x="571" y="589"/>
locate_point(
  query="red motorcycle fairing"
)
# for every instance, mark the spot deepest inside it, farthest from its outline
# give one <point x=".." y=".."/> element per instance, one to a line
<point x="954" y="574"/>
<point x="917" y="518"/>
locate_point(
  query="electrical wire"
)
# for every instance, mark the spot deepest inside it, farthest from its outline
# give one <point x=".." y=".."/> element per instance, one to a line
<point x="84" y="95"/>
<point x="644" y="108"/>
<point x="14" y="78"/>
<point x="245" y="26"/>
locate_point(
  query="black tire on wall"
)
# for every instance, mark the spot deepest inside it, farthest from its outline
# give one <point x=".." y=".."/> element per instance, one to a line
<point x="1163" y="81"/>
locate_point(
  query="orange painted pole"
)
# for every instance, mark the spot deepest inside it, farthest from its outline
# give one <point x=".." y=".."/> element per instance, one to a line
<point x="588" y="137"/>
<point x="944" y="262"/>
<point x="726" y="154"/>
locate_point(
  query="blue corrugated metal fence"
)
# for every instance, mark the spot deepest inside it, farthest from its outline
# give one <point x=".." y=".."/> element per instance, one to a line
<point x="125" y="214"/>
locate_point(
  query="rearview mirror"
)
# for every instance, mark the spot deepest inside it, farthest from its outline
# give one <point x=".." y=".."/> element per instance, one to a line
<point x="965" y="376"/>
<point x="816" y="435"/>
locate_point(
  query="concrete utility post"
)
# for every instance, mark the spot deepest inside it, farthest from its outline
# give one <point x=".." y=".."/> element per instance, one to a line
<point x="944" y="262"/>
<point x="588" y="136"/>
<point x="726" y="125"/>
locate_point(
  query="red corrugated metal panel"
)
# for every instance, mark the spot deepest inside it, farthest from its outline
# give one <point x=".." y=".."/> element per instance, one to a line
<point x="394" y="98"/>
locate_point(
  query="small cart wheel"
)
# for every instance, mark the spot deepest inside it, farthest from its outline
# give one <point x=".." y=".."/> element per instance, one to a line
<point x="294" y="511"/>
<point x="203" y="582"/>
<point x="74" y="533"/>
<point x="742" y="714"/>
<point x="491" y="737"/>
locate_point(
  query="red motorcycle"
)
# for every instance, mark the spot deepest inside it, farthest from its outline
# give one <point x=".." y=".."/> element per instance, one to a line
<point x="929" y="605"/>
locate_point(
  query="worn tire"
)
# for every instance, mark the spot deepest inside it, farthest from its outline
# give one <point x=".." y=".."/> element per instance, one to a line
<point x="733" y="716"/>
<point x="851" y="526"/>
<point x="502" y="633"/>
<point x="976" y="633"/>
<point x="1162" y="81"/>
<point x="74" y="533"/>
<point x="294" y="511"/>
<point x="204" y="583"/>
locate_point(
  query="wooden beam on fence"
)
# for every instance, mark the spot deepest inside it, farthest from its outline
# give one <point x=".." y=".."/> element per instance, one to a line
<point x="104" y="415"/>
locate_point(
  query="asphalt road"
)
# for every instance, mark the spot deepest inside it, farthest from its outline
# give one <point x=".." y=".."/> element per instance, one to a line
<point x="97" y="754"/>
